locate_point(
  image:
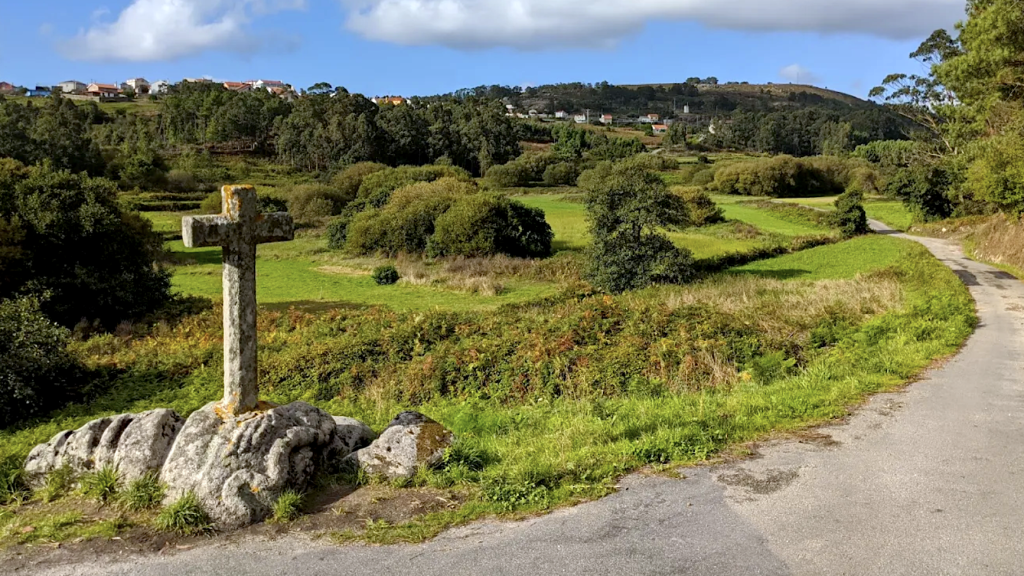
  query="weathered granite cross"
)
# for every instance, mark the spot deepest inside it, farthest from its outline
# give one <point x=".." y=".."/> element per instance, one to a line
<point x="238" y="229"/>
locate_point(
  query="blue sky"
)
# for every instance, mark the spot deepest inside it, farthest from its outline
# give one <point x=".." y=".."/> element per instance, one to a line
<point x="429" y="46"/>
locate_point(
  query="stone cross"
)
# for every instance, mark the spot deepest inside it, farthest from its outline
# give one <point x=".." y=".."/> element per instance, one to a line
<point x="238" y="229"/>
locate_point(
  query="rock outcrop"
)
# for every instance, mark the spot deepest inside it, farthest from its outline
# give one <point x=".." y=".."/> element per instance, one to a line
<point x="134" y="444"/>
<point x="410" y="441"/>
<point x="237" y="466"/>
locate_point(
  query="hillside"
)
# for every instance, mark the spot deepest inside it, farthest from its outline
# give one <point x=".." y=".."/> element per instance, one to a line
<point x="773" y="92"/>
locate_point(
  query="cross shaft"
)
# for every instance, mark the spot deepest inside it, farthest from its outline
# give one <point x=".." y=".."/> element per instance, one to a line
<point x="237" y="230"/>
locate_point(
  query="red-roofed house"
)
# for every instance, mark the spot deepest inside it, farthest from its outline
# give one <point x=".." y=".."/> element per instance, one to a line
<point x="238" y="86"/>
<point x="103" y="90"/>
<point x="659" y="128"/>
<point x="394" y="100"/>
<point x="606" y="118"/>
<point x="6" y="88"/>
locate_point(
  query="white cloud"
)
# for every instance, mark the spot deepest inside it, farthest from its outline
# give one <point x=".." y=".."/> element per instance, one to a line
<point x="799" y="74"/>
<point x="540" y="24"/>
<point x="167" y="29"/>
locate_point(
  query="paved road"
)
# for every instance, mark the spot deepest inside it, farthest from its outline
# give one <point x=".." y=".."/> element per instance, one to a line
<point x="928" y="481"/>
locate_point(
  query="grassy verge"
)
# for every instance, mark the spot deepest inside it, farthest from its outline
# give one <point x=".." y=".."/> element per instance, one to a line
<point x="553" y="400"/>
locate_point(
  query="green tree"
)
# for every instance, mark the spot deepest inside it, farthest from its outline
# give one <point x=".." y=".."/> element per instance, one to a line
<point x="849" y="215"/>
<point x="628" y="207"/>
<point x="88" y="257"/>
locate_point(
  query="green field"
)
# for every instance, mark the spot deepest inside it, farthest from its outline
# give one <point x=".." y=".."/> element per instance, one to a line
<point x="889" y="212"/>
<point x="843" y="260"/>
<point x="554" y="402"/>
<point x="568" y="221"/>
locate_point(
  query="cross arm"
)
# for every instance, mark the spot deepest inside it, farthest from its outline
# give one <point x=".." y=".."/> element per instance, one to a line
<point x="274" y="227"/>
<point x="203" y="231"/>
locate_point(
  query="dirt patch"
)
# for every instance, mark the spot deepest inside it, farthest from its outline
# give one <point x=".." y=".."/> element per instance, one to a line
<point x="332" y="509"/>
<point x="772" y="481"/>
<point x="817" y="439"/>
<point x="343" y="270"/>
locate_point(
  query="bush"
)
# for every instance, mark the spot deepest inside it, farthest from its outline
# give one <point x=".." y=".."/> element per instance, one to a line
<point x="923" y="190"/>
<point x="783" y="176"/>
<point x="144" y="170"/>
<point x="701" y="209"/>
<point x="561" y="174"/>
<point x="185" y="517"/>
<point x="485" y="224"/>
<point x="37" y="373"/>
<point x="888" y="153"/>
<point x="622" y="263"/>
<point x="90" y="258"/>
<point x="376" y="188"/>
<point x="385" y="275"/>
<point x="406" y="222"/>
<point x="181" y="181"/>
<point x="703" y="177"/>
<point x="628" y="206"/>
<point x="849" y="216"/>
<point x="337" y="233"/>
<point x="311" y="202"/>
<point x="348" y="181"/>
<point x="655" y="163"/>
<point x="509" y="175"/>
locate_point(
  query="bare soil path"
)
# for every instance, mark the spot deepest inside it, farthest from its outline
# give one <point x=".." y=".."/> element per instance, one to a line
<point x="926" y="481"/>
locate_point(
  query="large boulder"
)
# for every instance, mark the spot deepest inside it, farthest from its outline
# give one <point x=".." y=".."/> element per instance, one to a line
<point x="410" y="442"/>
<point x="237" y="466"/>
<point x="134" y="444"/>
<point x="351" y="435"/>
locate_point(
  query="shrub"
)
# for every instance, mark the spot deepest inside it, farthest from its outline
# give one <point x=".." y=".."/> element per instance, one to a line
<point x="181" y="181"/>
<point x="145" y="170"/>
<point x="348" y="181"/>
<point x="142" y="493"/>
<point x="701" y="209"/>
<point x="101" y="485"/>
<point x="385" y="275"/>
<point x="37" y="373"/>
<point x="185" y="517"/>
<point x="509" y="175"/>
<point x="336" y="232"/>
<point x="485" y="224"/>
<point x="312" y="202"/>
<point x="849" y="216"/>
<point x="782" y="176"/>
<point x="703" y="177"/>
<point x="655" y="163"/>
<point x="406" y="222"/>
<point x="90" y="257"/>
<point x="628" y="206"/>
<point x="923" y="190"/>
<point x="287" y="507"/>
<point x="561" y="174"/>
<point x="376" y="188"/>
<point x="888" y="153"/>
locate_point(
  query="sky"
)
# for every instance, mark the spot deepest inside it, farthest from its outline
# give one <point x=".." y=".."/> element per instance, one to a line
<point x="422" y="47"/>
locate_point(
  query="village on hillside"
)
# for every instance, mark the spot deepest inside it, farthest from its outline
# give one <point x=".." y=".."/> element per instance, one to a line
<point x="140" y="88"/>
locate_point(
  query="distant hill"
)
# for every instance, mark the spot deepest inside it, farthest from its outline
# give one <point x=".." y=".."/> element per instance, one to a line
<point x="771" y="91"/>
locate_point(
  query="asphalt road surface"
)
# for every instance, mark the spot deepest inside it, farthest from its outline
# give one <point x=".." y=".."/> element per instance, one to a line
<point x="927" y="481"/>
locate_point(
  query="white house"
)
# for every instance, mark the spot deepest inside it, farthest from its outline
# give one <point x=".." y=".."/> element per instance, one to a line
<point x="606" y="118"/>
<point x="159" y="87"/>
<point x="266" y="84"/>
<point x="580" y="119"/>
<point x="650" y="119"/>
<point x="686" y="108"/>
<point x="533" y="113"/>
<point x="138" y="85"/>
<point x="659" y="128"/>
<point x="72" y="86"/>
<point x="561" y="114"/>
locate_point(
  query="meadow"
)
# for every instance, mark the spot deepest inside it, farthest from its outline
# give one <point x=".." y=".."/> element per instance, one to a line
<point x="554" y="399"/>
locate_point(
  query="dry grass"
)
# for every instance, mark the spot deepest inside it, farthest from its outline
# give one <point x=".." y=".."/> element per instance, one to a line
<point x="787" y="309"/>
<point x="488" y="276"/>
